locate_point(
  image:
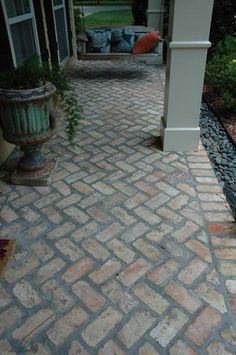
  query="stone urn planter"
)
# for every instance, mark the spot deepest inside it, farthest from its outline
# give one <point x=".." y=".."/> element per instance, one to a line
<point x="27" y="116"/>
<point x="27" y="119"/>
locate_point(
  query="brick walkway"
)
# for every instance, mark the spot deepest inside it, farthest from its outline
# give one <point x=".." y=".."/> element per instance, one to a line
<point x="128" y="251"/>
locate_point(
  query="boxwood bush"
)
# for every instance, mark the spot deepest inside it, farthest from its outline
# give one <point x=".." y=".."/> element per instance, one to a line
<point x="221" y="71"/>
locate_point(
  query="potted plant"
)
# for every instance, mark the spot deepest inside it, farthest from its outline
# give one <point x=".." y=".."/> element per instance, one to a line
<point x="28" y="116"/>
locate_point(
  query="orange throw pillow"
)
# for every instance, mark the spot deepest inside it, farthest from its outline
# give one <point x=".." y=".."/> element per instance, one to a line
<point x="145" y="43"/>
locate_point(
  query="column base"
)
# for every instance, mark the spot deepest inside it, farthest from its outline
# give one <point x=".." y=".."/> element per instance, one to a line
<point x="179" y="139"/>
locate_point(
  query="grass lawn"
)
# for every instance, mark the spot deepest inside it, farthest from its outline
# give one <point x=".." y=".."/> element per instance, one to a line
<point x="105" y="3"/>
<point x="116" y="18"/>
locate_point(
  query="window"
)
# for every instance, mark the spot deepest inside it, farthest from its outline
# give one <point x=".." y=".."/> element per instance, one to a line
<point x="60" y="22"/>
<point x="17" y="8"/>
<point x="22" y="32"/>
<point x="57" y="2"/>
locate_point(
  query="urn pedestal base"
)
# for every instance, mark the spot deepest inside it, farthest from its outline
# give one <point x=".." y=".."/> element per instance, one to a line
<point x="33" y="159"/>
<point x="40" y="177"/>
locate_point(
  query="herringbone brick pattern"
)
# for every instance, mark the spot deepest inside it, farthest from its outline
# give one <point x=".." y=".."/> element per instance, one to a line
<point x="129" y="251"/>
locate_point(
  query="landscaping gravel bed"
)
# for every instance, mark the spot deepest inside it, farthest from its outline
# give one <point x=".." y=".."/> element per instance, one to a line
<point x="221" y="150"/>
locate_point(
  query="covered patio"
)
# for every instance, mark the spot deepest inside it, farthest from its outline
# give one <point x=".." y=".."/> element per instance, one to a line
<point x="130" y="250"/>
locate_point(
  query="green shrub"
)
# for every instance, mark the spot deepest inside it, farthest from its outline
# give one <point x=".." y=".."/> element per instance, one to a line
<point x="223" y="21"/>
<point x="226" y="47"/>
<point x="221" y="75"/>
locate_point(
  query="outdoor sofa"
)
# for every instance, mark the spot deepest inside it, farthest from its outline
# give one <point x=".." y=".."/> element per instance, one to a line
<point x="116" y="43"/>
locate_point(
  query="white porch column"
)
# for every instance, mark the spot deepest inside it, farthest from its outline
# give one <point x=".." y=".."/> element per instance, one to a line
<point x="155" y="15"/>
<point x="189" y="28"/>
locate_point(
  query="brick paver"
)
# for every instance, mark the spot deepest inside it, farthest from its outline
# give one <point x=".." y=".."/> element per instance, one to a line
<point x="130" y="249"/>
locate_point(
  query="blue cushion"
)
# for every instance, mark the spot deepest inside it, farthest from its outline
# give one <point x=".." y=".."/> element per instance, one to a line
<point x="99" y="41"/>
<point x="118" y="43"/>
<point x="128" y="35"/>
<point x="106" y="40"/>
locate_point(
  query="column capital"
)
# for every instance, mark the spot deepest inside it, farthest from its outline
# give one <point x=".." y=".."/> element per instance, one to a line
<point x="155" y="11"/>
<point x="189" y="44"/>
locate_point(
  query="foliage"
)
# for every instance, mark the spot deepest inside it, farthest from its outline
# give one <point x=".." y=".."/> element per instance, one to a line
<point x="32" y="74"/>
<point x="221" y="75"/>
<point x="73" y="113"/>
<point x="117" y="18"/>
<point x="226" y="47"/>
<point x="29" y="75"/>
<point x="223" y="21"/>
<point x="79" y="22"/>
<point x="221" y="71"/>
